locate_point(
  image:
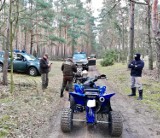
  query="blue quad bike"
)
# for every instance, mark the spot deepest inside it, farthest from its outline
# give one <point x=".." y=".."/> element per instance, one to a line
<point x="95" y="102"/>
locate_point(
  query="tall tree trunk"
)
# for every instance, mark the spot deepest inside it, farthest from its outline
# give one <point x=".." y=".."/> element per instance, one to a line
<point x="3" y="19"/>
<point x="17" y="39"/>
<point x="131" y="31"/>
<point x="158" y="57"/>
<point x="57" y="51"/>
<point x="31" y="46"/>
<point x="31" y="31"/>
<point x="123" y="42"/>
<point x="72" y="46"/>
<point x="60" y="44"/>
<point x="156" y="32"/>
<point x="38" y="51"/>
<point x="150" y="60"/>
<point x="6" y="54"/>
<point x="12" y="34"/>
<point x="65" y="35"/>
<point x="11" y="49"/>
<point x="25" y="38"/>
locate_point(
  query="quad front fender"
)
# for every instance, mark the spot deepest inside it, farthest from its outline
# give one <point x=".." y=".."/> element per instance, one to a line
<point x="78" y="98"/>
<point x="108" y="96"/>
<point x="90" y="115"/>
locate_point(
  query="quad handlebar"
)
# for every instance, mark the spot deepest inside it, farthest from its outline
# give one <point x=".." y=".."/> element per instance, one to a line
<point x="90" y="82"/>
<point x="102" y="76"/>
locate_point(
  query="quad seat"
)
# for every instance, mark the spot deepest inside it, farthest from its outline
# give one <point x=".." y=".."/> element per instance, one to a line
<point x="91" y="90"/>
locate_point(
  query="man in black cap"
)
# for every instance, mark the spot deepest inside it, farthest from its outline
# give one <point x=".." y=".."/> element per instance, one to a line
<point x="136" y="67"/>
<point x="68" y="68"/>
<point x="44" y="69"/>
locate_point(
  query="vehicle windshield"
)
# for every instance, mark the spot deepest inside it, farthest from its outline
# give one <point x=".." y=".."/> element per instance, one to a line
<point x="79" y="56"/>
<point x="1" y="54"/>
<point x="30" y="57"/>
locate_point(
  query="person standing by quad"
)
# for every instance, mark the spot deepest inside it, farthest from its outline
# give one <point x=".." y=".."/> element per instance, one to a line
<point x="44" y="69"/>
<point x="68" y="68"/>
<point x="136" y="67"/>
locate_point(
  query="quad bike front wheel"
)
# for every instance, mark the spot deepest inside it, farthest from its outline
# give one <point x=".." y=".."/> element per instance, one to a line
<point x="72" y="103"/>
<point x="66" y="120"/>
<point x="115" y="123"/>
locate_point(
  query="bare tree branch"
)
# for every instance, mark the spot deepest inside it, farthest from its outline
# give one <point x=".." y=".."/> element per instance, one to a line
<point x="114" y="6"/>
<point x="137" y="2"/>
<point x="3" y="5"/>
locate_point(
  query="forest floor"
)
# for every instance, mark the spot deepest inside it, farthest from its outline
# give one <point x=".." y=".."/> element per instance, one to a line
<point x="31" y="113"/>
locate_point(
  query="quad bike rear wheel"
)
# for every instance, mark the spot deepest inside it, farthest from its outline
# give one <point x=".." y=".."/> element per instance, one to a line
<point x="115" y="123"/>
<point x="66" y="120"/>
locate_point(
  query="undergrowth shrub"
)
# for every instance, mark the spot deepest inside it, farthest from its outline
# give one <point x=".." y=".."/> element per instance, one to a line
<point x="110" y="57"/>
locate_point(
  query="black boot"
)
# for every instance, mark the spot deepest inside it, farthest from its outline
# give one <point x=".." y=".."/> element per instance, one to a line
<point x="133" y="92"/>
<point x="140" y="95"/>
<point x="43" y="86"/>
<point x="61" y="95"/>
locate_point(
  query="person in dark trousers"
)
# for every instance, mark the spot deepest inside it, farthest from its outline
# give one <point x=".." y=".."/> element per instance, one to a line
<point x="44" y="69"/>
<point x="136" y="67"/>
<point x="68" y="69"/>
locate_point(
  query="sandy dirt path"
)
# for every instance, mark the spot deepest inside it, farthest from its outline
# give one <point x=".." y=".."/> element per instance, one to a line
<point x="138" y="120"/>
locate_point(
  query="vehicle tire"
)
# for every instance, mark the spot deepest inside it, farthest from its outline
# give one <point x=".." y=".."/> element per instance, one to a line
<point x="33" y="71"/>
<point x="66" y="120"/>
<point x="72" y="102"/>
<point x="115" y="123"/>
<point x="1" y="67"/>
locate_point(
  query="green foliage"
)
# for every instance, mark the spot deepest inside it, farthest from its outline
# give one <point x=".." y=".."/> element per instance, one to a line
<point x="107" y="62"/>
<point x="43" y="4"/>
<point x="75" y="18"/>
<point x="55" y="38"/>
<point x="109" y="58"/>
<point x="113" y="26"/>
<point x="39" y="15"/>
<point x="4" y="125"/>
<point x="3" y="133"/>
<point x="84" y="33"/>
<point x="66" y="19"/>
<point x="45" y="26"/>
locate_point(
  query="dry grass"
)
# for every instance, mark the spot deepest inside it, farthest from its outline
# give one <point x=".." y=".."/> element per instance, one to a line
<point x="119" y="77"/>
<point x="28" y="109"/>
<point x="27" y="112"/>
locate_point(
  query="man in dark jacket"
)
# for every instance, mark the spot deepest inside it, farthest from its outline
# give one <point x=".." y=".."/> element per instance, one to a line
<point x="44" y="69"/>
<point x="136" y="67"/>
<point x="68" y="68"/>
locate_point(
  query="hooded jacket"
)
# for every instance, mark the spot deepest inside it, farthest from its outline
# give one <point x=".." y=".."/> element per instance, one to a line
<point x="136" y="66"/>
